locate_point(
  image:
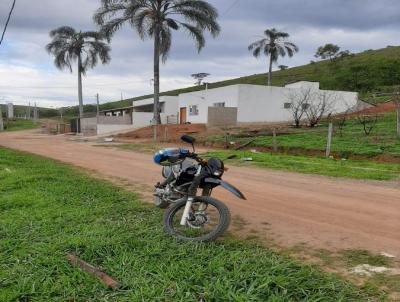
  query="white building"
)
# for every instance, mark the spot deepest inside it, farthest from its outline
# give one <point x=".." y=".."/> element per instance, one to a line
<point x="225" y="106"/>
<point x="142" y="115"/>
<point x="259" y="104"/>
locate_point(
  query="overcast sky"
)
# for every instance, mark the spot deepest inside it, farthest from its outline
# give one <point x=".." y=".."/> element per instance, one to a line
<point x="27" y="72"/>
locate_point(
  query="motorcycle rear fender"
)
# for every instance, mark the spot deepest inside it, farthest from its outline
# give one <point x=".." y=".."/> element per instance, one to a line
<point x="226" y="186"/>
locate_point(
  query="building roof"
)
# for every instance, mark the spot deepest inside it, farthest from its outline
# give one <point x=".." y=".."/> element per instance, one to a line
<point x="116" y="109"/>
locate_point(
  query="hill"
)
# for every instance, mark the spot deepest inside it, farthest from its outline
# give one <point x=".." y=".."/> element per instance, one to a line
<point x="21" y="111"/>
<point x="372" y="73"/>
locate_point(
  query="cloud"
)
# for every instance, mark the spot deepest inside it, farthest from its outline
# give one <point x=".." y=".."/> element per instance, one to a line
<point x="27" y="72"/>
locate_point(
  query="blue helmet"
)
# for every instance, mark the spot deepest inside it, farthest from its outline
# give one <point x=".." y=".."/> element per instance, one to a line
<point x="172" y="155"/>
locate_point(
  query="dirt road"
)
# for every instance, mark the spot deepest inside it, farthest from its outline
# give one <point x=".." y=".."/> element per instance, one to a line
<point x="290" y="208"/>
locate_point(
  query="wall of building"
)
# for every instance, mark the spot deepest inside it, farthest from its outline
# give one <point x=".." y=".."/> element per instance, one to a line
<point x="266" y="104"/>
<point x="204" y="99"/>
<point x="143" y="111"/>
<point x="89" y="126"/>
<point x="141" y="119"/>
<point x="222" y="116"/>
<point x="115" y="120"/>
<point x="304" y="85"/>
<point x="103" y="129"/>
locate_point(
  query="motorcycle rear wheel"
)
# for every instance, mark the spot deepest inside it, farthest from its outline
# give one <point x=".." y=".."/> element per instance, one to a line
<point x="202" y="226"/>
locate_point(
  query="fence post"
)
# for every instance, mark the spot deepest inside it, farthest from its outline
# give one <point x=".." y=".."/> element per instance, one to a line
<point x="274" y="140"/>
<point x="155" y="133"/>
<point x="166" y="134"/>
<point x="329" y="141"/>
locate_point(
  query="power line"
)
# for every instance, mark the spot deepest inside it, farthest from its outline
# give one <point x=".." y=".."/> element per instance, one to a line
<point x="8" y="20"/>
<point x="230" y="8"/>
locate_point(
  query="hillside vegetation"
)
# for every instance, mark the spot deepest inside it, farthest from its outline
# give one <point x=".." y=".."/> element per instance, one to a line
<point x="371" y="71"/>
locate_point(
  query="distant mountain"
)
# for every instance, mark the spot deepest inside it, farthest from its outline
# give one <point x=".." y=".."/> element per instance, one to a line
<point x="22" y="111"/>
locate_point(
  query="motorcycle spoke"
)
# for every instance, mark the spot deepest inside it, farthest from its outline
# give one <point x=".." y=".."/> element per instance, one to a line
<point x="200" y="223"/>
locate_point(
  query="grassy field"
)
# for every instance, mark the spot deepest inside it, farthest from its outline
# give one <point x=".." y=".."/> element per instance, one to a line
<point x="315" y="165"/>
<point x="351" y="141"/>
<point x="48" y="209"/>
<point x="356" y="169"/>
<point x="17" y="125"/>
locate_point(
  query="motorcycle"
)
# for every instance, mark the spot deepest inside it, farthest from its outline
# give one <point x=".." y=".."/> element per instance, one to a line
<point x="189" y="216"/>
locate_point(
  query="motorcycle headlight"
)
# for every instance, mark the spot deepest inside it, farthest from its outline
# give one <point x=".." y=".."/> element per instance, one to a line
<point x="218" y="173"/>
<point x="216" y="167"/>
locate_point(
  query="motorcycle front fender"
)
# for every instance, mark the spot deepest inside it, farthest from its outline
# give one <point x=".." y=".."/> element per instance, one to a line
<point x="226" y="186"/>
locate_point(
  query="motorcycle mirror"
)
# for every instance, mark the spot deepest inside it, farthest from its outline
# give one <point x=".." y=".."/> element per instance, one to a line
<point x="188" y="139"/>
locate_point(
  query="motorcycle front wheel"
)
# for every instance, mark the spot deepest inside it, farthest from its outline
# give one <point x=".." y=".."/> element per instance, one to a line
<point x="208" y="219"/>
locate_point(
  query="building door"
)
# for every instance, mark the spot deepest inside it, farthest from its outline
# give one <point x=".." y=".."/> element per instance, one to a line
<point x="182" y="116"/>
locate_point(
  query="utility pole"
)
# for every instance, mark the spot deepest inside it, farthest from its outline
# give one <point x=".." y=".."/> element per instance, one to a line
<point x="35" y="114"/>
<point x="98" y="107"/>
<point x="28" y="113"/>
<point x="1" y="120"/>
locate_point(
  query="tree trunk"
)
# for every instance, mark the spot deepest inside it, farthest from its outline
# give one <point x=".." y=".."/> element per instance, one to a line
<point x="80" y="96"/>
<point x="270" y="70"/>
<point x="157" y="117"/>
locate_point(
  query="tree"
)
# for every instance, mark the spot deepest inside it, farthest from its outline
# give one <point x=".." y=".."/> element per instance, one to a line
<point x="156" y="19"/>
<point x="199" y="77"/>
<point x="283" y="67"/>
<point x="327" y="51"/>
<point x="368" y="122"/>
<point x="320" y="105"/>
<point x="86" y="48"/>
<point x="273" y="45"/>
<point x="297" y="103"/>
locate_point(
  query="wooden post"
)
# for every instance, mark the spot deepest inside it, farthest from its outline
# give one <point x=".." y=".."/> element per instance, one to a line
<point x="166" y="134"/>
<point x="329" y="141"/>
<point x="274" y="141"/>
<point x="90" y="269"/>
<point x="398" y="120"/>
<point x="155" y="133"/>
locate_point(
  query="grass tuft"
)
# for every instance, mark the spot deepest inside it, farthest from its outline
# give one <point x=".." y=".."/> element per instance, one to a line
<point x="48" y="209"/>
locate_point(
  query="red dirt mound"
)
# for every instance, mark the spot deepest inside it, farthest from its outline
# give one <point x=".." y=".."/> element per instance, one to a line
<point x="380" y="108"/>
<point x="166" y="132"/>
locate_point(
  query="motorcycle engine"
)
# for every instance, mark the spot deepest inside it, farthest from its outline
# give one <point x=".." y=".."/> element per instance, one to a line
<point x="163" y="197"/>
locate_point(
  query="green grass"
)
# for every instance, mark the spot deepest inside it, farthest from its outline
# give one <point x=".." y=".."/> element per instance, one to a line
<point x="356" y="169"/>
<point x="315" y="165"/>
<point x="357" y="257"/>
<point x="48" y="209"/>
<point x="351" y="142"/>
<point x="18" y="125"/>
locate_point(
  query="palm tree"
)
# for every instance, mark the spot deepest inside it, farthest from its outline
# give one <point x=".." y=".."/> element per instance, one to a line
<point x="86" y="48"/>
<point x="156" y="19"/>
<point x="274" y="45"/>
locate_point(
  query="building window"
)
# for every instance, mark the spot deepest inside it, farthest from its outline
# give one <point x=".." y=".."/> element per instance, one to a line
<point x="222" y="104"/>
<point x="287" y="105"/>
<point x="193" y="110"/>
<point x="305" y="106"/>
